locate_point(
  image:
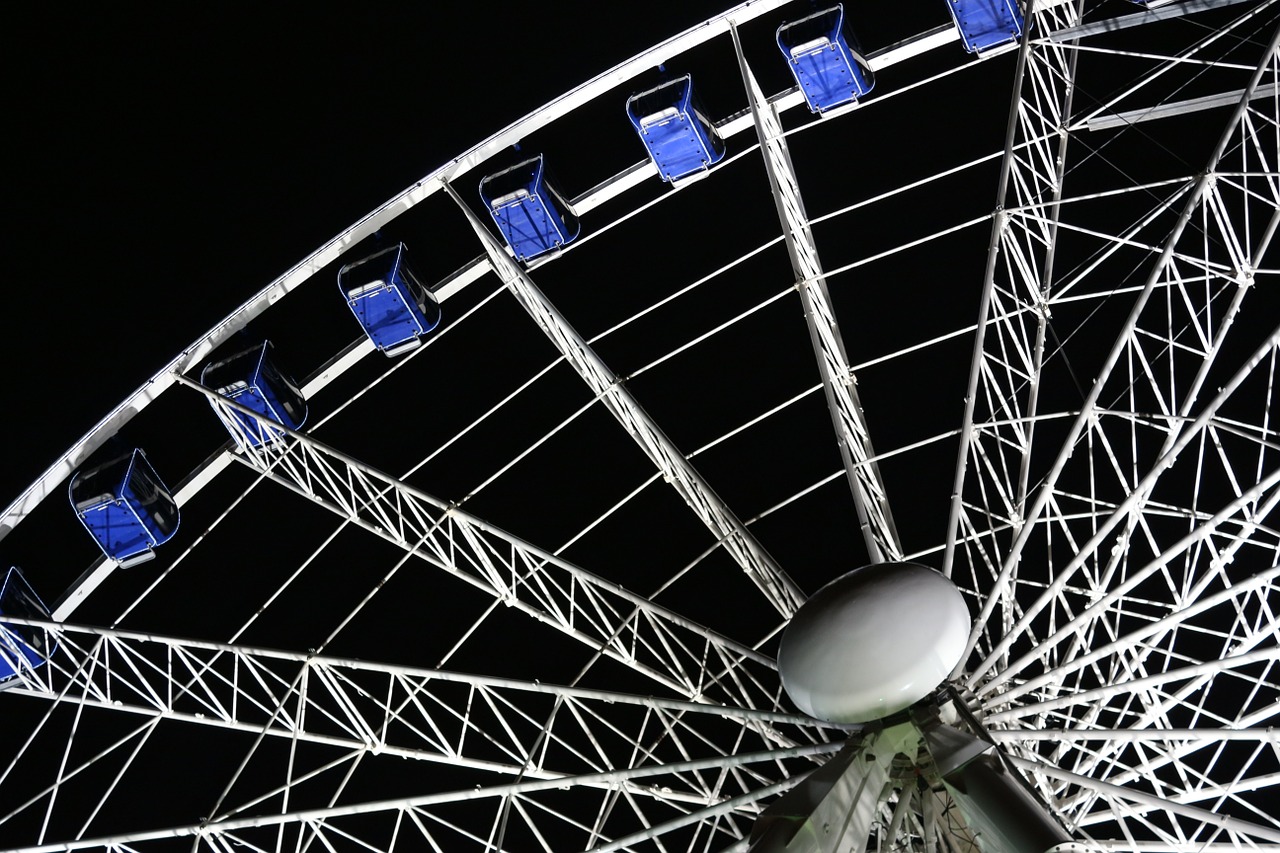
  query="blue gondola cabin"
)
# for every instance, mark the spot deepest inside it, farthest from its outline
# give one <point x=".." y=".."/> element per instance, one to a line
<point x="986" y="24"/>
<point x="23" y="648"/>
<point x="825" y="60"/>
<point x="389" y="301"/>
<point x="680" y="140"/>
<point x="125" y="507"/>
<point x="533" y="217"/>
<point x="253" y="380"/>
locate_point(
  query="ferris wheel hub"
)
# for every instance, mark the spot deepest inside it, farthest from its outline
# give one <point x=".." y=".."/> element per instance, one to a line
<point x="873" y="642"/>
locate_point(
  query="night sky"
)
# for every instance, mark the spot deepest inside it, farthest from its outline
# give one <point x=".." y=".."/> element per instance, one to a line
<point x="166" y="164"/>
<point x="170" y="167"/>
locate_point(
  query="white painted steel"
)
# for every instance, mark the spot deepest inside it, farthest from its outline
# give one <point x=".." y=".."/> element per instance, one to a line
<point x="838" y="382"/>
<point x="46" y="484"/>
<point x="584" y="606"/>
<point x="606" y="386"/>
<point x="873" y="642"/>
<point x="1118" y="545"/>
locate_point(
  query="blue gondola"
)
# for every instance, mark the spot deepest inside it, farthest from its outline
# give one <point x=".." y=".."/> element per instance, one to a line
<point x="827" y="64"/>
<point x="393" y="307"/>
<point x="986" y="24"/>
<point x="22" y="647"/>
<point x="532" y="216"/>
<point x="251" y="379"/>
<point x="125" y="507"/>
<point x="679" y="138"/>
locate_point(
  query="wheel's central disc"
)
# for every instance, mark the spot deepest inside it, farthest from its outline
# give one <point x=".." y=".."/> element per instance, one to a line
<point x="873" y="642"/>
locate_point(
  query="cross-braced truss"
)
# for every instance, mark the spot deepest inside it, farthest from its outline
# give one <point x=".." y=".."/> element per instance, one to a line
<point x="670" y="649"/>
<point x="1111" y="527"/>
<point x="354" y="710"/>
<point x="1126" y="577"/>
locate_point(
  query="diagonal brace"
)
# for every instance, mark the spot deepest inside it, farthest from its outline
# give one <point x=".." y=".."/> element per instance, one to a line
<point x="861" y="470"/>
<point x="741" y="544"/>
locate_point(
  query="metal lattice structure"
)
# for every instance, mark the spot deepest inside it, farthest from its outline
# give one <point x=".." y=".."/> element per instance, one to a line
<point x="539" y="609"/>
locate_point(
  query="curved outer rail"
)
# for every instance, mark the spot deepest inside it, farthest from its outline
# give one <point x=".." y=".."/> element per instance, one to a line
<point x="371" y="222"/>
<point x="362" y="228"/>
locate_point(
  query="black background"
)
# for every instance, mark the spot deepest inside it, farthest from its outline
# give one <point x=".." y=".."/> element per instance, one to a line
<point x="164" y="164"/>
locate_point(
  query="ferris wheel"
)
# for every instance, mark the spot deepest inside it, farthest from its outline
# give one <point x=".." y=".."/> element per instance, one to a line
<point x="720" y="457"/>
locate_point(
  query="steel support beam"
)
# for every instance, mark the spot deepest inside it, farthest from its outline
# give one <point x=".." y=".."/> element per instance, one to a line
<point x="1242" y="829"/>
<point x="1015" y="311"/>
<point x="854" y="439"/>
<point x="1262" y="493"/>
<point x="1179" y="396"/>
<point x="408" y="712"/>
<point x="232" y="830"/>
<point x="627" y="627"/>
<point x="740" y="543"/>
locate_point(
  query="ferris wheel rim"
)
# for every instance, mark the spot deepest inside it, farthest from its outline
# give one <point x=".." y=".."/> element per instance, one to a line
<point x="261" y="295"/>
<point x="433" y="182"/>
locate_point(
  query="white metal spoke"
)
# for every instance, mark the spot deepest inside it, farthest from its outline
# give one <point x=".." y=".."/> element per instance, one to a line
<point x="1140" y="375"/>
<point x="493" y="725"/>
<point x="638" y="633"/>
<point x="1243" y="831"/>
<point x="1117" y="599"/>
<point x="172" y="675"/>
<point x="1111" y="520"/>
<point x="741" y="544"/>
<point x="853" y="438"/>
<point x="1005" y="371"/>
<point x="434" y="806"/>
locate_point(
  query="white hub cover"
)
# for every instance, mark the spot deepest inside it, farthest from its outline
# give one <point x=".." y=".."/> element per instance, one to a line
<point x="873" y="642"/>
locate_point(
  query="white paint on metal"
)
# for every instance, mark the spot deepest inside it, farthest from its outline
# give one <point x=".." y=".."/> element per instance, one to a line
<point x="873" y="642"/>
<point x="838" y="382"/>
<point x="676" y="469"/>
